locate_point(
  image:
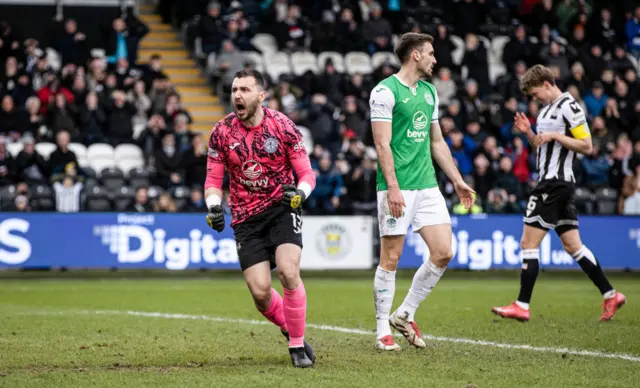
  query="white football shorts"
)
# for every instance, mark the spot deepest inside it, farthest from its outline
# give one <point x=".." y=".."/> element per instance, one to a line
<point x="425" y="207"/>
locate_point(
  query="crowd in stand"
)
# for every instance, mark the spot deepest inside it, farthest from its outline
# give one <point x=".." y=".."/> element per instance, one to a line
<point x="593" y="47"/>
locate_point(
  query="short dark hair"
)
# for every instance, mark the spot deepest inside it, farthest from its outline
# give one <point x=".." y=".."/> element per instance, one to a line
<point x="535" y="77"/>
<point x="252" y="73"/>
<point x="409" y="42"/>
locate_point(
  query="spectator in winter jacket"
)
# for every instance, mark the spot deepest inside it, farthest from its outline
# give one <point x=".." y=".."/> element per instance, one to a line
<point x="595" y="100"/>
<point x="596" y="167"/>
<point x="325" y="198"/>
<point x="632" y="30"/>
<point x="462" y="150"/>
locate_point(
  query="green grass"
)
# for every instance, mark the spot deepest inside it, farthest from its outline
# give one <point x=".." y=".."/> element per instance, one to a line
<point x="51" y="337"/>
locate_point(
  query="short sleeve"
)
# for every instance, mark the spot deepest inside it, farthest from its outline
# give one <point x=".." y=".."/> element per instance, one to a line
<point x="293" y="141"/>
<point x="381" y="103"/>
<point x="436" y="106"/>
<point x="215" y="153"/>
<point x="576" y="120"/>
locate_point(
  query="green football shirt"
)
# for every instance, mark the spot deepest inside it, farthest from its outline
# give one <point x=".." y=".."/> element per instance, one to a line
<point x="410" y="112"/>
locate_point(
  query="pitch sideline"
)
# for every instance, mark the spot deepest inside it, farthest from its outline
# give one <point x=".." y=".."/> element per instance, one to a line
<point x="574" y="352"/>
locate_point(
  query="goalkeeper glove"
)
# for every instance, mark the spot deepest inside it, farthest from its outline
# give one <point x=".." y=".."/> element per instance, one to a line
<point x="215" y="218"/>
<point x="292" y="197"/>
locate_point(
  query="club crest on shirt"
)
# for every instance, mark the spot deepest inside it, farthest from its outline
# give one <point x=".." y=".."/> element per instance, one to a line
<point x="428" y="98"/>
<point x="213" y="153"/>
<point x="271" y="145"/>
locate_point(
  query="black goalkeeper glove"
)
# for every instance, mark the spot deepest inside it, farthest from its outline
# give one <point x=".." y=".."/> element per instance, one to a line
<point x="292" y="197"/>
<point x="215" y="218"/>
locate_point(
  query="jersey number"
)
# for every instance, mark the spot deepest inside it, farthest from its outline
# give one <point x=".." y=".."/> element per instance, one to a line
<point x="297" y="223"/>
<point x="531" y="205"/>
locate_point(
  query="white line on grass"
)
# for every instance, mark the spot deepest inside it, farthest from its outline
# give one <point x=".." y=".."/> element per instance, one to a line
<point x="568" y="351"/>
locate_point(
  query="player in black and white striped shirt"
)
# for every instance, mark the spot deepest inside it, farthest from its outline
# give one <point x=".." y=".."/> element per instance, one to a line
<point x="562" y="131"/>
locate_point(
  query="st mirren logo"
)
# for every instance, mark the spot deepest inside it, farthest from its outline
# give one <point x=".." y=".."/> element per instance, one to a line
<point x="252" y="169"/>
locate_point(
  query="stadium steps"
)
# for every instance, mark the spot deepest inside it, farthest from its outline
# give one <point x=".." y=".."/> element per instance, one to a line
<point x="197" y="96"/>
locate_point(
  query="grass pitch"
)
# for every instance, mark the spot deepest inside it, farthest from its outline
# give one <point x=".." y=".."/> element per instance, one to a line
<point x="99" y="333"/>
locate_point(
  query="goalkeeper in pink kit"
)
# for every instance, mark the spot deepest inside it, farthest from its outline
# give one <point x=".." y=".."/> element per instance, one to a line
<point x="260" y="149"/>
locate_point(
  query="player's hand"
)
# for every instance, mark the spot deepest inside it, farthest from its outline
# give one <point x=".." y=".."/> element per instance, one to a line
<point x="543" y="138"/>
<point x="215" y="218"/>
<point x="292" y="197"/>
<point x="395" y="201"/>
<point x="466" y="194"/>
<point x="521" y="123"/>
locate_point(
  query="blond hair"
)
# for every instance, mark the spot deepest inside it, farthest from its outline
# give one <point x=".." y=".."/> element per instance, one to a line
<point x="535" y="77"/>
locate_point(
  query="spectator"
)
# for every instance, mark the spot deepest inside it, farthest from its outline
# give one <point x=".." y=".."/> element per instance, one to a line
<point x="141" y="201"/>
<point x="325" y="198"/>
<point x="500" y="202"/>
<point x="555" y="57"/>
<point x="349" y="32"/>
<point x="71" y="44"/>
<point x="194" y="162"/>
<point x="377" y="31"/>
<point x="444" y="47"/>
<point x="445" y="86"/>
<point x="68" y="195"/>
<point x="291" y="32"/>
<point x="120" y="116"/>
<point x="631" y="205"/>
<point x="23" y="89"/>
<point x="632" y="32"/>
<point x="483" y="176"/>
<point x="361" y="187"/>
<point x="354" y="117"/>
<point x="6" y="164"/>
<point x="153" y="71"/>
<point x="210" y="28"/>
<point x="165" y="204"/>
<point x="92" y="120"/>
<point x="124" y="39"/>
<point x="35" y="121"/>
<point x="462" y="150"/>
<point x="61" y="157"/>
<point x="505" y="178"/>
<point x="182" y="133"/>
<point x="13" y="122"/>
<point x="31" y="167"/>
<point x="196" y="202"/>
<point x="229" y="62"/>
<point x="168" y="163"/>
<point x="21" y="204"/>
<point x="596" y="167"/>
<point x="595" y="100"/>
<point x="141" y="102"/>
<point x="61" y="117"/>
<point x="151" y="138"/>
<point x="519" y="48"/>
<point x="475" y="58"/>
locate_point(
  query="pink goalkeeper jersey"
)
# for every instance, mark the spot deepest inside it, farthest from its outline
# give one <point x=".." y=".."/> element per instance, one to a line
<point x="259" y="161"/>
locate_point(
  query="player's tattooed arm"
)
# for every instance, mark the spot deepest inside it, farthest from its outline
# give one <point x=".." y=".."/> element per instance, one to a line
<point x="382" y="140"/>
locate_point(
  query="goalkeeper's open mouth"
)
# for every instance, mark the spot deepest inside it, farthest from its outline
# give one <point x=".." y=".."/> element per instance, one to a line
<point x="241" y="109"/>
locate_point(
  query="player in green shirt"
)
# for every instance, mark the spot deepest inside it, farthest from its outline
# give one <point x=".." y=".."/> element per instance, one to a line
<point x="404" y="118"/>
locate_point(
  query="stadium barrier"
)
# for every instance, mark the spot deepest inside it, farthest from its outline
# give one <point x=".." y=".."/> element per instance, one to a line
<point x="183" y="241"/>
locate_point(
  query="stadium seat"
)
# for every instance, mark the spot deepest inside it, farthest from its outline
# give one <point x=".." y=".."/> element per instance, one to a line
<point x="336" y="58"/>
<point x="266" y="43"/>
<point x="138" y="177"/>
<point x="81" y="153"/>
<point x="497" y="46"/>
<point x="154" y="192"/>
<point x="381" y="57"/>
<point x="42" y="198"/>
<point x="45" y="149"/>
<point x="100" y="164"/>
<point x="301" y="62"/>
<point x="127" y="152"/>
<point x="99" y="151"/>
<point x="89" y="172"/>
<point x="256" y="59"/>
<point x="97" y="200"/>
<point x="358" y="62"/>
<point x="123" y="198"/>
<point x="606" y="200"/>
<point x="277" y="64"/>
<point x="90" y="183"/>
<point x="15" y="148"/>
<point x="496" y="70"/>
<point x="7" y="195"/>
<point x="127" y="165"/>
<point x="112" y="179"/>
<point x="458" y="53"/>
<point x="584" y="200"/>
<point x="307" y="138"/>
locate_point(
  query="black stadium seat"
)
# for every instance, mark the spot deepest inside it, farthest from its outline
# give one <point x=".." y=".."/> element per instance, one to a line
<point x="97" y="200"/>
<point x="42" y="198"/>
<point x="138" y="177"/>
<point x="606" y="200"/>
<point x="112" y="179"/>
<point x="584" y="200"/>
<point x="123" y="198"/>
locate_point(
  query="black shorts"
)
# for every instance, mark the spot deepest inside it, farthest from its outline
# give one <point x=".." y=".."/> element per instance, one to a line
<point x="551" y="206"/>
<point x="258" y="236"/>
